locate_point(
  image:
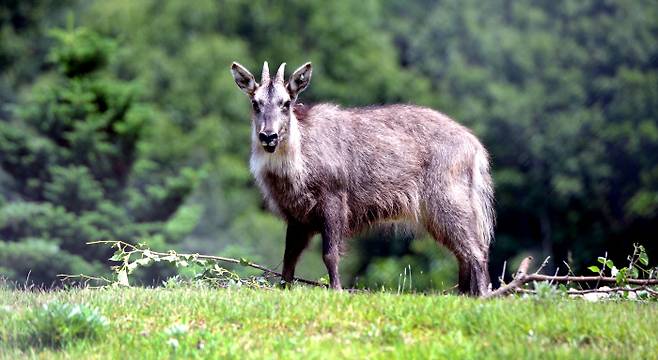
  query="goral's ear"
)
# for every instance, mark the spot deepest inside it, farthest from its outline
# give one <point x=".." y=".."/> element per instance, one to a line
<point x="299" y="80"/>
<point x="244" y="79"/>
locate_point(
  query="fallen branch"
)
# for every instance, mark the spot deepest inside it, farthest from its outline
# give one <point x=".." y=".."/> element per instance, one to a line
<point x="605" y="279"/>
<point x="210" y="257"/>
<point x="604" y="290"/>
<point x="522" y="277"/>
<point x="519" y="280"/>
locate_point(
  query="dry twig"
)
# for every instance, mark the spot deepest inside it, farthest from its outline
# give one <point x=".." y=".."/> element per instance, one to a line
<point x="519" y="280"/>
<point x="85" y="279"/>
<point x="543" y="264"/>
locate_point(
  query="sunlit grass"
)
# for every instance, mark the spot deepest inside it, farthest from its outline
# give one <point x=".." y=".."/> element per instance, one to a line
<point x="315" y="323"/>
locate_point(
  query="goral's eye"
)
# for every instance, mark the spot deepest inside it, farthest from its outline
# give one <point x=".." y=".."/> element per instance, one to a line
<point x="286" y="105"/>
<point x="255" y="105"/>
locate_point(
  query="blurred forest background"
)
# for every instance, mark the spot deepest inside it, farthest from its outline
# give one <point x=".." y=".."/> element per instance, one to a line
<point x="119" y="120"/>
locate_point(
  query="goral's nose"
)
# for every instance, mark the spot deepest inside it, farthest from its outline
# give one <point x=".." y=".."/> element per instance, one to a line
<point x="268" y="138"/>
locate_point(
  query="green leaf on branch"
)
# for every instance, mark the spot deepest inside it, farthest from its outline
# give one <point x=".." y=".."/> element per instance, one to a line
<point x="634" y="272"/>
<point x="131" y="267"/>
<point x="143" y="261"/>
<point x="118" y="256"/>
<point x="620" y="276"/>
<point x="122" y="278"/>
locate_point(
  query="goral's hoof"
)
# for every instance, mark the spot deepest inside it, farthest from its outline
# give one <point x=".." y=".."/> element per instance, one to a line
<point x="285" y="284"/>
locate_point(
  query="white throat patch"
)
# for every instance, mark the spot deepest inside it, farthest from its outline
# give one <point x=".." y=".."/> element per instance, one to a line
<point x="286" y="161"/>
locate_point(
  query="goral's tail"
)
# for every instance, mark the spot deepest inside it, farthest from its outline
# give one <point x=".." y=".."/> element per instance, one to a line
<point x="483" y="196"/>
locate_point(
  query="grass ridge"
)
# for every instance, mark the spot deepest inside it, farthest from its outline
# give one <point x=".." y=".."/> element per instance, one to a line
<point x="314" y="323"/>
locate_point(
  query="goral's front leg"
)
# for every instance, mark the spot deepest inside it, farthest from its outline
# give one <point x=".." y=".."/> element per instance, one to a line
<point x="333" y="231"/>
<point x="297" y="238"/>
<point x="331" y="257"/>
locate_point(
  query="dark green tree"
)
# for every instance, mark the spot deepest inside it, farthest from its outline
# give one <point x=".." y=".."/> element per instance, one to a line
<point x="83" y="165"/>
<point x="564" y="96"/>
<point x="23" y="44"/>
<point x="563" y="93"/>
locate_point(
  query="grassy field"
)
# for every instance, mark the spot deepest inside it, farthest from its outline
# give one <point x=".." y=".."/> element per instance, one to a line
<point x="320" y="324"/>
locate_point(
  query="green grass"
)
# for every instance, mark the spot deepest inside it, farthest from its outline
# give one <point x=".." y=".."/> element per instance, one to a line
<point x="321" y="324"/>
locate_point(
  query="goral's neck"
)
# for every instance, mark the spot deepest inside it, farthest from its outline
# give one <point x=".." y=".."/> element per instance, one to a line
<point x="285" y="161"/>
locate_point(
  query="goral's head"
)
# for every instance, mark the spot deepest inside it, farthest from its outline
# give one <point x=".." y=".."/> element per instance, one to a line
<point x="272" y="100"/>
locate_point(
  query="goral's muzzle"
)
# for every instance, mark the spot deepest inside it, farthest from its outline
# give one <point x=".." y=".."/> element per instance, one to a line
<point x="268" y="141"/>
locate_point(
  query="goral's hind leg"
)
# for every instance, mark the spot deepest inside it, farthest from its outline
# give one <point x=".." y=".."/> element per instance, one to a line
<point x="452" y="223"/>
<point x="473" y="274"/>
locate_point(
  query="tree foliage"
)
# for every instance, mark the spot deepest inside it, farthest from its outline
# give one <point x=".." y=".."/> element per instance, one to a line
<point x="564" y="94"/>
<point x="130" y="127"/>
<point x="77" y="171"/>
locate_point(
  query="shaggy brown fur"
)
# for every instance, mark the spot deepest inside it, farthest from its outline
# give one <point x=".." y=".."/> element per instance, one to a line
<point x="336" y="171"/>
